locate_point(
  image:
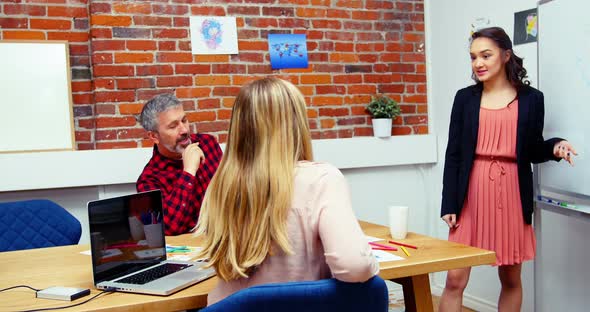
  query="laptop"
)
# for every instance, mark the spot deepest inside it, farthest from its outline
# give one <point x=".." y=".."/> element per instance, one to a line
<point x="128" y="247"/>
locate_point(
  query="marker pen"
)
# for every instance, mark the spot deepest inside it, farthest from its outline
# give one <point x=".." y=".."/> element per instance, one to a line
<point x="556" y="202"/>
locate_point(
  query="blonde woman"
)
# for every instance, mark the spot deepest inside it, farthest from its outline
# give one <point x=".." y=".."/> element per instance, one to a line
<point x="271" y="214"/>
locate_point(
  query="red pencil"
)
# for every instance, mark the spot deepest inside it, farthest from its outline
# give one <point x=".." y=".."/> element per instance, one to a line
<point x="383" y="246"/>
<point x="402" y="244"/>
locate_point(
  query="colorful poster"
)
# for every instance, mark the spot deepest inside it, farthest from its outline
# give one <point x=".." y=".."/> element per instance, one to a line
<point x="287" y="51"/>
<point x="214" y="35"/>
<point x="525" y="26"/>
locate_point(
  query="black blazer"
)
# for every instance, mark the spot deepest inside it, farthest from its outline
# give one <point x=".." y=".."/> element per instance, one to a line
<point x="530" y="146"/>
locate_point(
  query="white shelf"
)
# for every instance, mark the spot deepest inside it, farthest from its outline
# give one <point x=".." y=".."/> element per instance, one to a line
<point x="65" y="169"/>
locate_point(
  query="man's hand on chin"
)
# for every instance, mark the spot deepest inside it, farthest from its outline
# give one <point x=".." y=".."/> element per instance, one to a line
<point x="192" y="157"/>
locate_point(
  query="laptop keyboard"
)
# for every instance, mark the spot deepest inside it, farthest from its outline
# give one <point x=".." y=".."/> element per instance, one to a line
<point x="154" y="273"/>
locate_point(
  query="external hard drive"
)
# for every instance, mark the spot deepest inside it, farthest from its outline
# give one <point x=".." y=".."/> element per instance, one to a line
<point x="63" y="293"/>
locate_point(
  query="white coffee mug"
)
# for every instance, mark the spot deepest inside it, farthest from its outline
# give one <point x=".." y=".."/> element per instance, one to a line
<point x="398" y="221"/>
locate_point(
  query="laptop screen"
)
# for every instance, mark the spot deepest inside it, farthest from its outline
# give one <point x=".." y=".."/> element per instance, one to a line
<point x="126" y="234"/>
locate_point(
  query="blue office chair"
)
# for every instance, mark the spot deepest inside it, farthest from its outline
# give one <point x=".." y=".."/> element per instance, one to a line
<point x="314" y="296"/>
<point x="35" y="224"/>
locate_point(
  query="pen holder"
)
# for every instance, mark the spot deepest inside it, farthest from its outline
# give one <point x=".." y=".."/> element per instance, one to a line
<point x="136" y="229"/>
<point x="154" y="235"/>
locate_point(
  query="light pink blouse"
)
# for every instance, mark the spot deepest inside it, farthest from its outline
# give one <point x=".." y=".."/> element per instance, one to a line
<point x="324" y="234"/>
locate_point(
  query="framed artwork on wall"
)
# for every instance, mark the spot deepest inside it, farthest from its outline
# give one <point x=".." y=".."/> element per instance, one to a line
<point x="213" y="35"/>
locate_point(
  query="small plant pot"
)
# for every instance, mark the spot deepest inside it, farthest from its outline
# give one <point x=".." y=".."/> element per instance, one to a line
<point x="382" y="127"/>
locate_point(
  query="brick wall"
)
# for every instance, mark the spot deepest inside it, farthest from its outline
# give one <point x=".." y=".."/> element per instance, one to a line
<point x="124" y="52"/>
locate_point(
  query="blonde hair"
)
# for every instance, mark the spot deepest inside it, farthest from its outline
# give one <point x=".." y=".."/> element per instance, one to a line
<point x="246" y="205"/>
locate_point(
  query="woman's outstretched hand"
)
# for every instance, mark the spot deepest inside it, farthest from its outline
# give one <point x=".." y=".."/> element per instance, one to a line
<point x="563" y="149"/>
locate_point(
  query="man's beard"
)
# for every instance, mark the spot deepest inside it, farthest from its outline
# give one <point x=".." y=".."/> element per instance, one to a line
<point x="178" y="148"/>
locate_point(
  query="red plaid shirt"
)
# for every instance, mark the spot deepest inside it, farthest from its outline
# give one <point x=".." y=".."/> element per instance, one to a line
<point x="182" y="193"/>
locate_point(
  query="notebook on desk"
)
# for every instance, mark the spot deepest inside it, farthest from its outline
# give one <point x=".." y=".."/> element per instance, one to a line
<point x="128" y="247"/>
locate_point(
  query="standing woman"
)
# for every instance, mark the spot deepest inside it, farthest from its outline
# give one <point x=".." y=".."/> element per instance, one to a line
<point x="496" y="132"/>
<point x="271" y="214"/>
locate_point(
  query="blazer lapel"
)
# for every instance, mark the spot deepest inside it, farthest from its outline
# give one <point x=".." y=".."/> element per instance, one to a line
<point x="523" y="113"/>
<point x="474" y="105"/>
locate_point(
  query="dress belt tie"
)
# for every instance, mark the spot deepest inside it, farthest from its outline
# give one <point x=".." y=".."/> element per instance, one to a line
<point x="497" y="160"/>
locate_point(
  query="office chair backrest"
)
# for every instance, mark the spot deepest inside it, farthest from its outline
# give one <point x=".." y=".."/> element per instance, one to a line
<point x="35" y="224"/>
<point x="313" y="296"/>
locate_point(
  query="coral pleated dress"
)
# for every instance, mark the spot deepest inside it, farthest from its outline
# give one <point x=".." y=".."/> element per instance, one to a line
<point x="491" y="217"/>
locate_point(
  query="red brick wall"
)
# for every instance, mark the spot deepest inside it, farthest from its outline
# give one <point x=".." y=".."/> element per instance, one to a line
<point x="124" y="52"/>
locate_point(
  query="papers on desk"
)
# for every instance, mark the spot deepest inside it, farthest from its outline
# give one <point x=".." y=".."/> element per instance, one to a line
<point x="182" y="253"/>
<point x="384" y="256"/>
<point x="371" y="239"/>
<point x="188" y="253"/>
<point x="179" y="253"/>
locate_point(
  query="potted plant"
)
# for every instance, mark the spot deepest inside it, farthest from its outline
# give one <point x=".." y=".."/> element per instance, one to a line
<point x="383" y="110"/>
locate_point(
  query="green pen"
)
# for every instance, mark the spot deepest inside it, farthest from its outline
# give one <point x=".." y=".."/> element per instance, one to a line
<point x="556" y="202"/>
<point x="171" y="249"/>
<point x="566" y="205"/>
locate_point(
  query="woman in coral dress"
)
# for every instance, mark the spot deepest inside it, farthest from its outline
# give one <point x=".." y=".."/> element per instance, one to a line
<point x="495" y="134"/>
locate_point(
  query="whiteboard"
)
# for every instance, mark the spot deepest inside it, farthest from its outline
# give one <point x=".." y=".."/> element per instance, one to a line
<point x="564" y="78"/>
<point x="35" y="98"/>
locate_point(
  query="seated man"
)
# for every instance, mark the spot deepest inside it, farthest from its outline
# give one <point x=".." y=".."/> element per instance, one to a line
<point x="182" y="164"/>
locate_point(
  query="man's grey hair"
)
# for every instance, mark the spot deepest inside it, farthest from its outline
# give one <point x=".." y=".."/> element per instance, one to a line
<point x="151" y="109"/>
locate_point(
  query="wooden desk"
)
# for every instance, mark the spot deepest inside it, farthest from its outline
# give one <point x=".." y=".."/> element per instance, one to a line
<point x="432" y="255"/>
<point x="65" y="266"/>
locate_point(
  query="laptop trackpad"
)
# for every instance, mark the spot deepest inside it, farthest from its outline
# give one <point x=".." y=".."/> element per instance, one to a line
<point x="184" y="275"/>
<point x="192" y="273"/>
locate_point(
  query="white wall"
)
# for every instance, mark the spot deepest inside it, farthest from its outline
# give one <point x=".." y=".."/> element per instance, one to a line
<point x="373" y="189"/>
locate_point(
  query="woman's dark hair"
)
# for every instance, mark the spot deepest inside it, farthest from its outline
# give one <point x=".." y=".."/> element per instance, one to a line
<point x="515" y="72"/>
